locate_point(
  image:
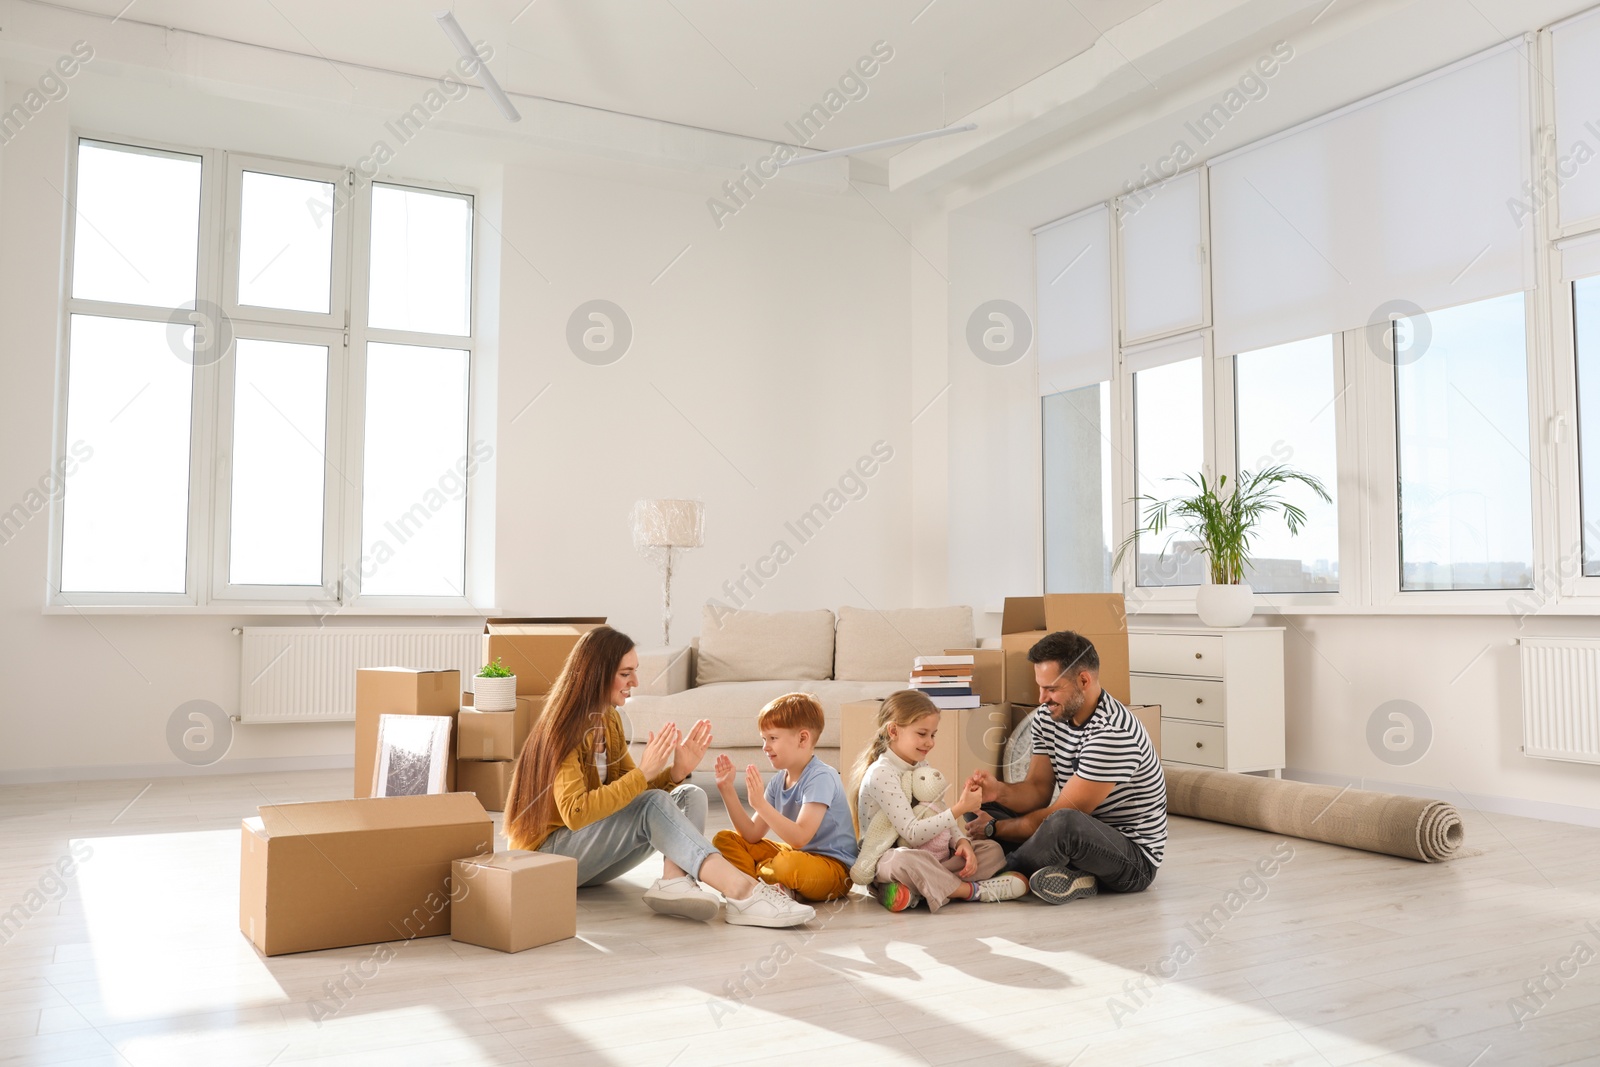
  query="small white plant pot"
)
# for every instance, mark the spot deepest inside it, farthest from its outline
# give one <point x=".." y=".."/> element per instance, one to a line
<point x="495" y="694"/>
<point x="1225" y="605"/>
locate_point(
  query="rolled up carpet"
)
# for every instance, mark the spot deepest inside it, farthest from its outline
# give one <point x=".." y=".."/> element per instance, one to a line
<point x="1409" y="827"/>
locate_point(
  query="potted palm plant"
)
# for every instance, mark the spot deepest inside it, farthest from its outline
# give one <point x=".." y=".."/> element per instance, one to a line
<point x="1224" y="520"/>
<point x="495" y="688"/>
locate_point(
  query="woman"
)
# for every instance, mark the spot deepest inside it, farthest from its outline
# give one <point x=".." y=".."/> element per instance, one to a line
<point x="576" y="792"/>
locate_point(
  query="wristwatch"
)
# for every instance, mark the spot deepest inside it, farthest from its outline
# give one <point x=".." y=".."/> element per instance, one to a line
<point x="988" y="828"/>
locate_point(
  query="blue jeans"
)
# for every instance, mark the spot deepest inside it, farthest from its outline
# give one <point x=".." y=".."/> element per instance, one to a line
<point x="1078" y="840"/>
<point x="672" y="824"/>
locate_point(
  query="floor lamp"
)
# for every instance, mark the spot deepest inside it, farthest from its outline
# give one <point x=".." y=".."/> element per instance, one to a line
<point x="660" y="529"/>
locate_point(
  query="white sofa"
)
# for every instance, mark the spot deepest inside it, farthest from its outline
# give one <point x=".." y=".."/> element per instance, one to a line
<point x="742" y="659"/>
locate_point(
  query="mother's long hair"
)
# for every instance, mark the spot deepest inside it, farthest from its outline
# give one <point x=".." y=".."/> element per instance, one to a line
<point x="582" y="691"/>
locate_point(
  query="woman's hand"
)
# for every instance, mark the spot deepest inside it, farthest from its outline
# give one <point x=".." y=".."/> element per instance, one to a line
<point x="658" y="751"/>
<point x="970" y="800"/>
<point x="723" y="769"/>
<point x="691" y="750"/>
<point x="965" y="850"/>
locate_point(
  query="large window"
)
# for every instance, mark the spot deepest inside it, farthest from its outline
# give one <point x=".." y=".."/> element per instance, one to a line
<point x="1284" y="400"/>
<point x="218" y="305"/>
<point x="1077" y="489"/>
<point x="1169" y="447"/>
<point x="1465" y="477"/>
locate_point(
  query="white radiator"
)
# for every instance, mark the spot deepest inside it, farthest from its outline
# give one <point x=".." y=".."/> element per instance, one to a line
<point x="1561" y="698"/>
<point x="306" y="674"/>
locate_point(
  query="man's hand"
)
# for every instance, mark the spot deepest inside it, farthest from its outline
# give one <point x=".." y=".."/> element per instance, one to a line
<point x="723" y="772"/>
<point x="986" y="784"/>
<point x="976" y="824"/>
<point x="691" y="750"/>
<point x="965" y="850"/>
<point x="970" y="800"/>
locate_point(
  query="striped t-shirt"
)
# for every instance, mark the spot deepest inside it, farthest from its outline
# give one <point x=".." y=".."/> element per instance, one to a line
<point x="1111" y="747"/>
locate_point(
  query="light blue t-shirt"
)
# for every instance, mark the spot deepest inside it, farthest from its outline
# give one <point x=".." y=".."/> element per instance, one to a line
<point x="818" y="784"/>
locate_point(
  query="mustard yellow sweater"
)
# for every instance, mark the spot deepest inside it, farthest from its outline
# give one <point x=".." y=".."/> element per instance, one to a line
<point x="582" y="798"/>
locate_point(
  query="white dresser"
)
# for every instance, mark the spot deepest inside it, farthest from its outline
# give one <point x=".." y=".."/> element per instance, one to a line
<point x="1220" y="691"/>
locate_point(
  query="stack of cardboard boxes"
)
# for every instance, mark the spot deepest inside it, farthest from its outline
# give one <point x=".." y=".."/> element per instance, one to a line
<point x="385" y="869"/>
<point x="488" y="742"/>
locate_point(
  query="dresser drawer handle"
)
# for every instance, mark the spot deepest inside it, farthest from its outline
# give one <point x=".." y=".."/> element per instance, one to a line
<point x="1199" y="700"/>
<point x="1198" y="744"/>
<point x="1197" y="656"/>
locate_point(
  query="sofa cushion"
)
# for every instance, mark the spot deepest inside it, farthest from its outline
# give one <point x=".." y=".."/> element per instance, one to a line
<point x="751" y="646"/>
<point x="878" y="646"/>
<point x="731" y="708"/>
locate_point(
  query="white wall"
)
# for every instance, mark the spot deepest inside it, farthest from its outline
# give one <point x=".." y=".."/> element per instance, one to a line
<point x="765" y="363"/>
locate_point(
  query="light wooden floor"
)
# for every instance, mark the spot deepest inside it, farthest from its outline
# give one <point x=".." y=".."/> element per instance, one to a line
<point x="1341" y="958"/>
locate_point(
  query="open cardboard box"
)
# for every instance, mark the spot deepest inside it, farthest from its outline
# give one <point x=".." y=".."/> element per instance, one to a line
<point x="354" y="872"/>
<point x="534" y="649"/>
<point x="400" y="691"/>
<point x="1101" y="617"/>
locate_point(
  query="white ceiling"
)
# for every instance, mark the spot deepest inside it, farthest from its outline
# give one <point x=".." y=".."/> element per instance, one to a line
<point x="732" y="65"/>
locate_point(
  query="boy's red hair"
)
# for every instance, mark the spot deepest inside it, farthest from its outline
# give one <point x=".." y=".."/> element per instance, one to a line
<point x="793" y="711"/>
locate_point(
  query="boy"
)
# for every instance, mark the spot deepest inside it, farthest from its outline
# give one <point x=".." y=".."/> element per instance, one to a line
<point x="804" y="805"/>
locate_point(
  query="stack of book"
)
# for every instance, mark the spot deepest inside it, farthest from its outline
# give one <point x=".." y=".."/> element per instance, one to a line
<point x="946" y="680"/>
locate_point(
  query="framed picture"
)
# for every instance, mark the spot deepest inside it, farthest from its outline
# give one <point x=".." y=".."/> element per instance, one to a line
<point x="413" y="755"/>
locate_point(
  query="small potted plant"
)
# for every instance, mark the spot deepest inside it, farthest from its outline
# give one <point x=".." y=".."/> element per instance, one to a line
<point x="1224" y="522"/>
<point x="495" y="689"/>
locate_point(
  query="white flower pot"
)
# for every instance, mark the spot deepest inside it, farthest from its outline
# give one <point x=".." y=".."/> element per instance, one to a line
<point x="1225" y="605"/>
<point x="495" y="694"/>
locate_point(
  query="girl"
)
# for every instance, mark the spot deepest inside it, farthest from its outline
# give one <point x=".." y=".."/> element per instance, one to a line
<point x="575" y="791"/>
<point x="907" y="725"/>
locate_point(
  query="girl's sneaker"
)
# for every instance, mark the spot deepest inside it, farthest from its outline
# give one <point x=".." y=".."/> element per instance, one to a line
<point x="766" y="906"/>
<point x="897" y="896"/>
<point x="1057" y="885"/>
<point x="1006" y="886"/>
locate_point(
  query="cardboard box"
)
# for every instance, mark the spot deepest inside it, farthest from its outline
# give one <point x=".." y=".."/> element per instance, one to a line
<point x="400" y="691"/>
<point x="490" y="781"/>
<point x="496" y="735"/>
<point x="1149" y="716"/>
<point x="534" y="649"/>
<point x="354" y="872"/>
<point x="1101" y="617"/>
<point x="988" y="672"/>
<point x="969" y="738"/>
<point x="513" y="901"/>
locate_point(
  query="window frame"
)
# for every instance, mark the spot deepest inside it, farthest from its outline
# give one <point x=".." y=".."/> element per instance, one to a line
<point x="343" y="328"/>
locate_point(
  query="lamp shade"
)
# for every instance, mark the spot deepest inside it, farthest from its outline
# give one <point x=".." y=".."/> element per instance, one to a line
<point x="668" y="523"/>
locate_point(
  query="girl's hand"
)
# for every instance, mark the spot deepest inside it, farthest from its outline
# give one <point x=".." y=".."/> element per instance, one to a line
<point x="755" y="788"/>
<point x="659" y="751"/>
<point x="965" y="850"/>
<point x="723" y="770"/>
<point x="986" y="783"/>
<point x="970" y="800"/>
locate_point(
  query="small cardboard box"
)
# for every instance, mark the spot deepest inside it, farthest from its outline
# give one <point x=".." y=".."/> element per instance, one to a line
<point x="969" y="739"/>
<point x="533" y="649"/>
<point x="988" y="672"/>
<point x="1101" y="617"/>
<point x="490" y="781"/>
<point x="496" y="735"/>
<point x="513" y="901"/>
<point x="400" y="691"/>
<point x="354" y="872"/>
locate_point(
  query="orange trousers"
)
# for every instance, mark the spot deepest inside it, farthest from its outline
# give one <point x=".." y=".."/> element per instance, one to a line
<point x="812" y="876"/>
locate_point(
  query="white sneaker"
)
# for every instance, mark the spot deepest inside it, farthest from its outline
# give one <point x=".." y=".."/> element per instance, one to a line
<point x="1007" y="886"/>
<point x="767" y="906"/>
<point x="681" y="896"/>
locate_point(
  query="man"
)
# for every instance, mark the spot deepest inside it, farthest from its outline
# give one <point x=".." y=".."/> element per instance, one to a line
<point x="1108" y="826"/>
